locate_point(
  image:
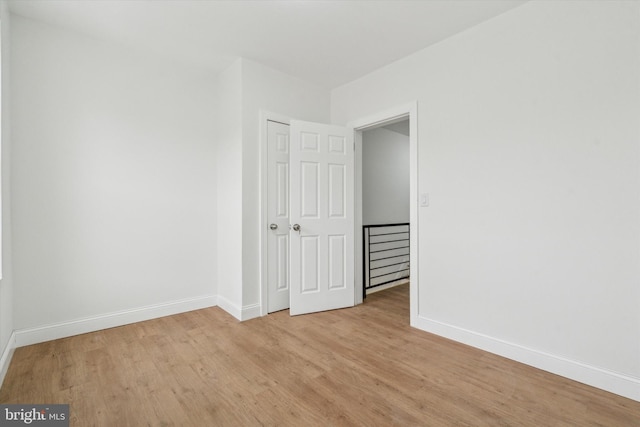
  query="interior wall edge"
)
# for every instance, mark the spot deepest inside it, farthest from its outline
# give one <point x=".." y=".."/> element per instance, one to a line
<point x="230" y="307"/>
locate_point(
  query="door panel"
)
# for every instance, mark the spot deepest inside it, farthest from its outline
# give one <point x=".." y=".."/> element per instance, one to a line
<point x="309" y="190"/>
<point x="282" y="192"/>
<point x="322" y="204"/>
<point x="282" y="264"/>
<point x="337" y="260"/>
<point x="337" y="191"/>
<point x="309" y="264"/>
<point x="278" y="240"/>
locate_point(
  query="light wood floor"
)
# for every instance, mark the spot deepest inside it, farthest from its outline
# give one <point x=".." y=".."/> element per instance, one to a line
<point x="361" y="366"/>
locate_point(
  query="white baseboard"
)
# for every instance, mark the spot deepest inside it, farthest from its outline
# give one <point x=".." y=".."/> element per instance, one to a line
<point x="613" y="382"/>
<point x="7" y="353"/>
<point x="250" y="311"/>
<point x="229" y="307"/>
<point x="241" y="313"/>
<point x="54" y="331"/>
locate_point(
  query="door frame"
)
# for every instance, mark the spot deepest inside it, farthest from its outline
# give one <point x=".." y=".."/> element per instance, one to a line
<point x="382" y="118"/>
<point x="387" y="116"/>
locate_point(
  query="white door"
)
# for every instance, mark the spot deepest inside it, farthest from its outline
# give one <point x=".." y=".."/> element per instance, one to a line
<point x="322" y="215"/>
<point x="278" y="216"/>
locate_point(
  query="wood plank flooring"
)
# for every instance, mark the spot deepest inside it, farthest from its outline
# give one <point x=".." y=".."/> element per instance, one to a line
<point x="362" y="366"/>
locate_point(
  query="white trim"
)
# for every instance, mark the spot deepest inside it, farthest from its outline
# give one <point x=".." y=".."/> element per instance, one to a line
<point x="357" y="219"/>
<point x="54" y="331"/>
<point x="265" y="116"/>
<point x="250" y="312"/>
<point x="385" y="117"/>
<point x="7" y="354"/>
<point x="229" y="307"/>
<point x="414" y="270"/>
<point x="623" y="385"/>
<point x="246" y="312"/>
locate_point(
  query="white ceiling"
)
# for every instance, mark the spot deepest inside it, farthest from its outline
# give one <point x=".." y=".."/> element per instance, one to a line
<point x="326" y="42"/>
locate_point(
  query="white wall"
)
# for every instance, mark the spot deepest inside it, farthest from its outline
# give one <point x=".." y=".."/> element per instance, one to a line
<point x="385" y="177"/>
<point x="529" y="147"/>
<point x="113" y="178"/>
<point x="6" y="282"/>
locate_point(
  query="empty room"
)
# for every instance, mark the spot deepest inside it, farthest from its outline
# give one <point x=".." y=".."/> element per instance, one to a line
<point x="200" y="223"/>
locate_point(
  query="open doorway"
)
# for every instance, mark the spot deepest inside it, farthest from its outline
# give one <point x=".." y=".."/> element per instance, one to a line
<point x="407" y="115"/>
<point x="385" y="206"/>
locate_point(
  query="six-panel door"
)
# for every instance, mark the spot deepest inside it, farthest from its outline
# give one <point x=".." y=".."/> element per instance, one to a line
<point x="322" y="205"/>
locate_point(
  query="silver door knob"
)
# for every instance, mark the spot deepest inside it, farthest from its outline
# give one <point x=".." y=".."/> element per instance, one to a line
<point x="273" y="226"/>
<point x="296" y="227"/>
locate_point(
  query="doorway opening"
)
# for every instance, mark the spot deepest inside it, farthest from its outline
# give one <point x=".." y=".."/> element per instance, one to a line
<point x="405" y="118"/>
<point x="385" y="206"/>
